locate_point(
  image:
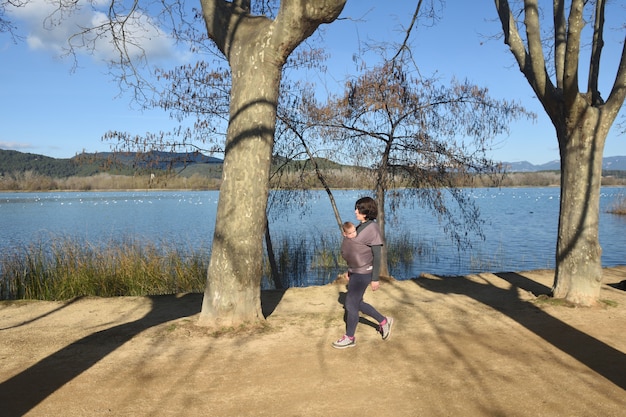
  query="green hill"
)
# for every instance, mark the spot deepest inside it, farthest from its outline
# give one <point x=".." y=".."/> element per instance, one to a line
<point x="87" y="164"/>
<point x="19" y="162"/>
<point x="129" y="163"/>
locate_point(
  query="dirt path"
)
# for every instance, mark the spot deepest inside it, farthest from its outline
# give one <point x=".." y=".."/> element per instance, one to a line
<point x="481" y="345"/>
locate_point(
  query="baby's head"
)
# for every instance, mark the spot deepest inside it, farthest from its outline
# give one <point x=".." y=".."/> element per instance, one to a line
<point x="349" y="230"/>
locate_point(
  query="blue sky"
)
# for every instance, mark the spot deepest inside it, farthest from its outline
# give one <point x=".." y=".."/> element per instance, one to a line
<point x="49" y="109"/>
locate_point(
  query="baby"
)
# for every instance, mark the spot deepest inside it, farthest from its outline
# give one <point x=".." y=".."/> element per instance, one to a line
<point x="349" y="230"/>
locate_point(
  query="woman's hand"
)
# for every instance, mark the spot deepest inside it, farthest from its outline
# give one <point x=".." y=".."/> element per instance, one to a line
<point x="375" y="285"/>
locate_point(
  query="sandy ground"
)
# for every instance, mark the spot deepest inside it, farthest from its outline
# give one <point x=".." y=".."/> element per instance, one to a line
<point x="480" y="345"/>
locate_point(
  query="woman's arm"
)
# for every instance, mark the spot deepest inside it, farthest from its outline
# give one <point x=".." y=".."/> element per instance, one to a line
<point x="377" y="253"/>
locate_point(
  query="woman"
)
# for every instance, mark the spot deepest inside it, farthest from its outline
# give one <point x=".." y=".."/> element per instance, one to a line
<point x="363" y="255"/>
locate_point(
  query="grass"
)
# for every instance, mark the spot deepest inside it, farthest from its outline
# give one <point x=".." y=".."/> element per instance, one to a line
<point x="557" y="302"/>
<point x="487" y="262"/>
<point x="618" y="206"/>
<point x="609" y="303"/>
<point x="561" y="302"/>
<point x="306" y="260"/>
<point x="65" y="268"/>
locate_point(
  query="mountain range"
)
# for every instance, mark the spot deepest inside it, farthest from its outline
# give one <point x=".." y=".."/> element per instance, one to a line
<point x="85" y="164"/>
<point x="610" y="163"/>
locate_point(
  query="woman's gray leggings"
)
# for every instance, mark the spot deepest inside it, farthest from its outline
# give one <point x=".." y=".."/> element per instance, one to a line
<point x="354" y="302"/>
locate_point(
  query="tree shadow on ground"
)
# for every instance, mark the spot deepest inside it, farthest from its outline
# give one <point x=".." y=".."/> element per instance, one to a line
<point x="49" y="313"/>
<point x="598" y="356"/>
<point x="619" y="286"/>
<point x="270" y="300"/>
<point x="24" y="391"/>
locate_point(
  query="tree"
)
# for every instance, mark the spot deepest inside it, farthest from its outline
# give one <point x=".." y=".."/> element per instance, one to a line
<point x="295" y="126"/>
<point x="582" y="120"/>
<point x="419" y="137"/>
<point x="256" y="48"/>
<point x="5" y="24"/>
<point x="200" y="91"/>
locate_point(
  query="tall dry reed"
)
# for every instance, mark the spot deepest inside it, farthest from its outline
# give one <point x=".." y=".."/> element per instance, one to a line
<point x="65" y="268"/>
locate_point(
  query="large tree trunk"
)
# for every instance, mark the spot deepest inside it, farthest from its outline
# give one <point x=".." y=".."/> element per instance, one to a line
<point x="582" y="121"/>
<point x="256" y="49"/>
<point x="578" y="252"/>
<point x="232" y="294"/>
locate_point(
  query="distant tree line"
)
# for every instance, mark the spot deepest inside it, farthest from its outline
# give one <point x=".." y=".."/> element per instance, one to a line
<point x="31" y="172"/>
<point x="294" y="178"/>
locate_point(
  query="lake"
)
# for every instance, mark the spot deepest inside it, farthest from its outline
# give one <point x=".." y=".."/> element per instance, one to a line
<point x="520" y="225"/>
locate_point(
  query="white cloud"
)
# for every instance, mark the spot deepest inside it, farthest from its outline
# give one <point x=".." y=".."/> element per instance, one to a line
<point x="49" y="30"/>
<point x="14" y="146"/>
